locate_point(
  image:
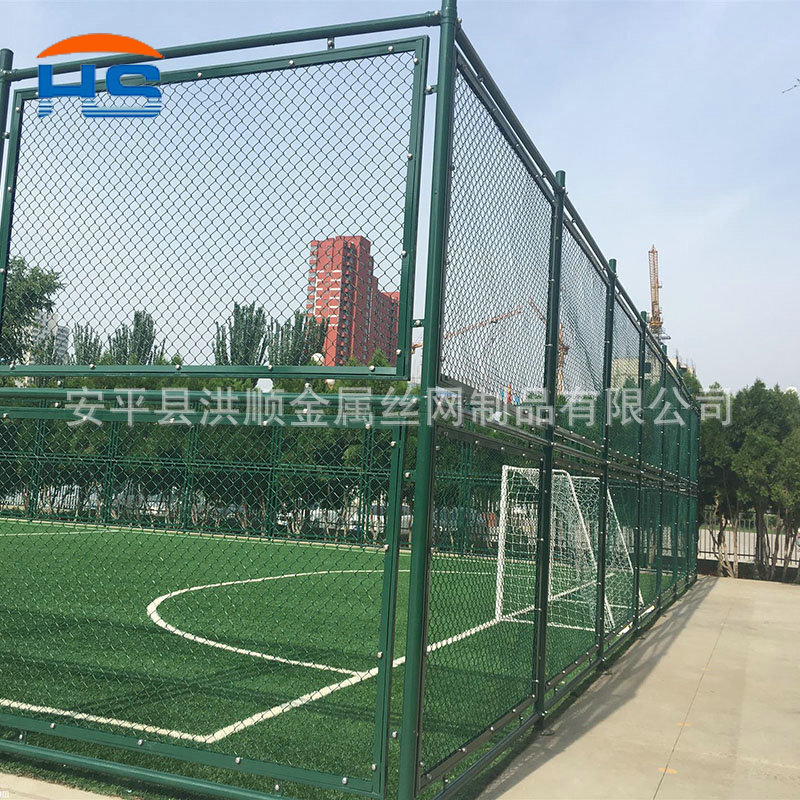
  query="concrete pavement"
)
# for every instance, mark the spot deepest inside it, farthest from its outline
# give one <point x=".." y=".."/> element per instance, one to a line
<point x="706" y="705"/>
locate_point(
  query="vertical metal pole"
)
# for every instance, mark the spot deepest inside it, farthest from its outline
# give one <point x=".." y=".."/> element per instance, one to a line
<point x="602" y="531"/>
<point x="676" y="521"/>
<point x="40" y="434"/>
<point x="637" y="542"/>
<point x="6" y="62"/>
<point x="694" y="467"/>
<point x="416" y="638"/>
<point x="111" y="458"/>
<point x="187" y="488"/>
<point x="546" y="480"/>
<point x="659" y="572"/>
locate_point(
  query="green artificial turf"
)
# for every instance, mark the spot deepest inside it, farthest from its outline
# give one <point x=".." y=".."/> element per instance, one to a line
<point x="79" y="638"/>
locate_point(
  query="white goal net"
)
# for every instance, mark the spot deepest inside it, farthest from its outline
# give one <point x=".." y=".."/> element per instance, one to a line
<point x="573" y="552"/>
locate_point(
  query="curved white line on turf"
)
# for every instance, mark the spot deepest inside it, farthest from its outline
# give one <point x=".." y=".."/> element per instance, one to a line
<point x="152" y="612"/>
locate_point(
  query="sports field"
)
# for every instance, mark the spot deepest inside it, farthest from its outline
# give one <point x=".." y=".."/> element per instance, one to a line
<point x="264" y="649"/>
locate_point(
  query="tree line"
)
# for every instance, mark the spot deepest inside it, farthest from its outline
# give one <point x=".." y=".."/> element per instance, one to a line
<point x="248" y="337"/>
<point x="753" y="465"/>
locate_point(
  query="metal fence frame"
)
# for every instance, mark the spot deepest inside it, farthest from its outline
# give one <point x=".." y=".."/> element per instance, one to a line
<point x="672" y="475"/>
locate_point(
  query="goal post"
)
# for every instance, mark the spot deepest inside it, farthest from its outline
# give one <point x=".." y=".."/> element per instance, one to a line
<point x="574" y="540"/>
<point x="516" y="542"/>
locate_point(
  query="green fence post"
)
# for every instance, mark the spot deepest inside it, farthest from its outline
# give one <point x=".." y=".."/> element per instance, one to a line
<point x="546" y="481"/>
<point x="416" y="637"/>
<point x="661" y="481"/>
<point x="676" y="523"/>
<point x="637" y="542"/>
<point x="189" y="464"/>
<point x="6" y="62"/>
<point x="40" y="433"/>
<point x="602" y="531"/>
<point x="111" y="458"/>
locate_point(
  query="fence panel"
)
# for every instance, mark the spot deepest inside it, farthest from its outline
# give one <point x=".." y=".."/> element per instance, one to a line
<point x="581" y="335"/>
<point x="482" y="593"/>
<point x="623" y="401"/>
<point x="216" y="575"/>
<point x="495" y="298"/>
<point x="146" y="557"/>
<point x="620" y="553"/>
<point x="227" y="214"/>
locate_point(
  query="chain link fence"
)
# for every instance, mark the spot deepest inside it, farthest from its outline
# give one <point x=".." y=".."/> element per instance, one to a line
<point x="251" y="557"/>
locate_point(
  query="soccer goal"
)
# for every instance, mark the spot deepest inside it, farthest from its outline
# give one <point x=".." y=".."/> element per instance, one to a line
<point x="573" y="552"/>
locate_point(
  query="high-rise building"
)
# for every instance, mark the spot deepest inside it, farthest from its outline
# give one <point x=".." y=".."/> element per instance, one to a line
<point x="343" y="289"/>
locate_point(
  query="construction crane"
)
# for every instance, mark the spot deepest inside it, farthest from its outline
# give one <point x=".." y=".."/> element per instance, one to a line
<point x="656" y="321"/>
<point x="563" y="347"/>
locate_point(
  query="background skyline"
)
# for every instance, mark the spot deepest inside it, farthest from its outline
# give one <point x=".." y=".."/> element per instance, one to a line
<point x="670" y="120"/>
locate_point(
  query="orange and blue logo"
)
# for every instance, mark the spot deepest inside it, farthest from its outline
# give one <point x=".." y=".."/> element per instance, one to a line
<point x="86" y="89"/>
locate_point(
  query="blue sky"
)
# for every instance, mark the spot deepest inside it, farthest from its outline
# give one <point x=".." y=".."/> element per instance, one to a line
<point x="669" y="119"/>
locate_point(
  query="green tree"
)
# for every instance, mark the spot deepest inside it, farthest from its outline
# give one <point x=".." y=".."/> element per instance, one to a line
<point x="243" y="340"/>
<point x="296" y="340"/>
<point x="29" y="292"/>
<point x="135" y="344"/>
<point x="86" y="344"/>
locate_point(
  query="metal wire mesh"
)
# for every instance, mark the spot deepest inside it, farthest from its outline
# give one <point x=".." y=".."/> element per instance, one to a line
<point x="652" y="399"/>
<point x="624" y="402"/>
<point x="495" y="300"/>
<point x="480" y="662"/>
<point x="650" y="547"/>
<point x="202" y="577"/>
<point x="214" y="587"/>
<point x="620" y="553"/>
<point x="269" y="204"/>
<point x="581" y="337"/>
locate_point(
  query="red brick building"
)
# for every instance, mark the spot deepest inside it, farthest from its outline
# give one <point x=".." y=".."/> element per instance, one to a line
<point x="343" y="290"/>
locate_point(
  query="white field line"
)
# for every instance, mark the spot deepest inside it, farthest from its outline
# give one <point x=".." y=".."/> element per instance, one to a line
<point x="318" y="694"/>
<point x="152" y="612"/>
<point x="261" y="716"/>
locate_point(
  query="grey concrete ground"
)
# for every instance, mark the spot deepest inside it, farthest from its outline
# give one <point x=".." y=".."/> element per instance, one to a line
<point x="14" y="787"/>
<point x="707" y="705"/>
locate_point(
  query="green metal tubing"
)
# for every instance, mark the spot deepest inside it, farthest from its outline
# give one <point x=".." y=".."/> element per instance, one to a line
<point x="423" y="495"/>
<point x="7" y="393"/>
<point x="128" y="772"/>
<point x="386" y="641"/>
<point x="192" y="755"/>
<point x="637" y="542"/>
<point x="6" y="62"/>
<point x="546" y="482"/>
<point x="425" y="19"/>
<point x="411" y="210"/>
<point x="452" y="787"/>
<point x="8" y="190"/>
<point x="602" y="530"/>
<point x="196" y="371"/>
<point x="659" y="575"/>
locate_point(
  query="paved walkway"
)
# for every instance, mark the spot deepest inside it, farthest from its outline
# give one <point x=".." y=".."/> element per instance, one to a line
<point x="14" y="787"/>
<point x="706" y="705"/>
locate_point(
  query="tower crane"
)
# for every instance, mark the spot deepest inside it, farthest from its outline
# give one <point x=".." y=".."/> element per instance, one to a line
<point x="563" y="347"/>
<point x="656" y="319"/>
